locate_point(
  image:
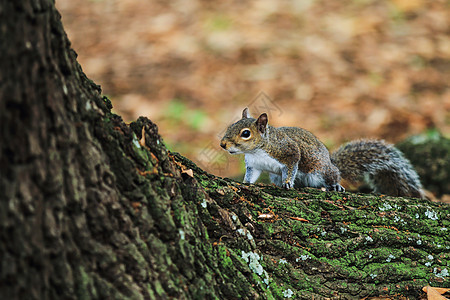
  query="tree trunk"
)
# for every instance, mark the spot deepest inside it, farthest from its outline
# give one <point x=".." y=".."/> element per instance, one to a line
<point x="94" y="208"/>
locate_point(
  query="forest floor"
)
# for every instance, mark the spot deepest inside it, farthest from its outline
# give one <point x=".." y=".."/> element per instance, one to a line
<point x="341" y="69"/>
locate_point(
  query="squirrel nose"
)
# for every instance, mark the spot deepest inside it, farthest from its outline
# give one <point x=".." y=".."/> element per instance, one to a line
<point x="223" y="145"/>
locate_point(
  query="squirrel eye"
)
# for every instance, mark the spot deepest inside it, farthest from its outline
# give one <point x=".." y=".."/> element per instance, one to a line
<point x="245" y="134"/>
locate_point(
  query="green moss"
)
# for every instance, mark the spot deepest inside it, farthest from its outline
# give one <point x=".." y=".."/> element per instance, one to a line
<point x="159" y="290"/>
<point x="270" y="229"/>
<point x="180" y="214"/>
<point x="349" y="243"/>
<point x="224" y="256"/>
<point x="107" y="102"/>
<point x="84" y="284"/>
<point x="133" y="251"/>
<point x="281" y="291"/>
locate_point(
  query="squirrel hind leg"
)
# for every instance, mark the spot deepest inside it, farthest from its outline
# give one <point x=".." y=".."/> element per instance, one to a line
<point x="332" y="178"/>
<point x="336" y="187"/>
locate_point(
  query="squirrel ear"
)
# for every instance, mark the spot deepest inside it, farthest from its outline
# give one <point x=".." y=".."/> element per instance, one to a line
<point x="261" y="123"/>
<point x="245" y="113"/>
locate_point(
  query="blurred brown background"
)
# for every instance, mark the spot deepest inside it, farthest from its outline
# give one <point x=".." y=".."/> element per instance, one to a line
<point x="341" y="69"/>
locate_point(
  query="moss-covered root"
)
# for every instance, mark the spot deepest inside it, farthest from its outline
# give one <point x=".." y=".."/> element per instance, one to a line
<point x="184" y="233"/>
<point x="311" y="243"/>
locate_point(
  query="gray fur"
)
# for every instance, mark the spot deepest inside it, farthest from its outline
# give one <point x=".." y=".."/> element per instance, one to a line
<point x="295" y="157"/>
<point x="380" y="165"/>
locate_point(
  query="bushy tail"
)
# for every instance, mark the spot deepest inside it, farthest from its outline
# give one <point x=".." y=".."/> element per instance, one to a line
<point x="382" y="166"/>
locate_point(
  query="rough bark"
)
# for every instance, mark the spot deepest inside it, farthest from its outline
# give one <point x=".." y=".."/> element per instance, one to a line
<point x="94" y="208"/>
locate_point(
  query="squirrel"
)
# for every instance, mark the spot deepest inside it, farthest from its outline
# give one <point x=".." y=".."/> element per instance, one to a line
<point x="294" y="157"/>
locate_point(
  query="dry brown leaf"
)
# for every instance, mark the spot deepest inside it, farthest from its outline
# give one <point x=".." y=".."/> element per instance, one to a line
<point x="299" y="219"/>
<point x="142" y="140"/>
<point x="188" y="172"/>
<point x="445" y="198"/>
<point x="440" y="290"/>
<point x="143" y="173"/>
<point x="136" y="206"/>
<point x="265" y="216"/>
<point x="434" y="293"/>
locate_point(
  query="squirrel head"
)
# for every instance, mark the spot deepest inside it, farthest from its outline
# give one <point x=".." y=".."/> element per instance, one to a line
<point x="246" y="134"/>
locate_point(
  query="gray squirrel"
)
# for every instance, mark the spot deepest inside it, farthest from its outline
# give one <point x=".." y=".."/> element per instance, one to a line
<point x="294" y="157"/>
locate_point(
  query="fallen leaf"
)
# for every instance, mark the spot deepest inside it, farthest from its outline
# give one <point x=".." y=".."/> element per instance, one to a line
<point x="434" y="293"/>
<point x="142" y="140"/>
<point x="143" y="173"/>
<point x="265" y="216"/>
<point x="188" y="172"/>
<point x="154" y="157"/>
<point x="136" y="204"/>
<point x="299" y="219"/>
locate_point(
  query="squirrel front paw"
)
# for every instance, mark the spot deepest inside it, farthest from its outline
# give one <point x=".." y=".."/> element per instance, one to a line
<point x="336" y="187"/>
<point x="288" y="185"/>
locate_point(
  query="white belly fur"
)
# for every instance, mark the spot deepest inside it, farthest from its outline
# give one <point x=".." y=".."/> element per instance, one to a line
<point x="309" y="179"/>
<point x="260" y="160"/>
